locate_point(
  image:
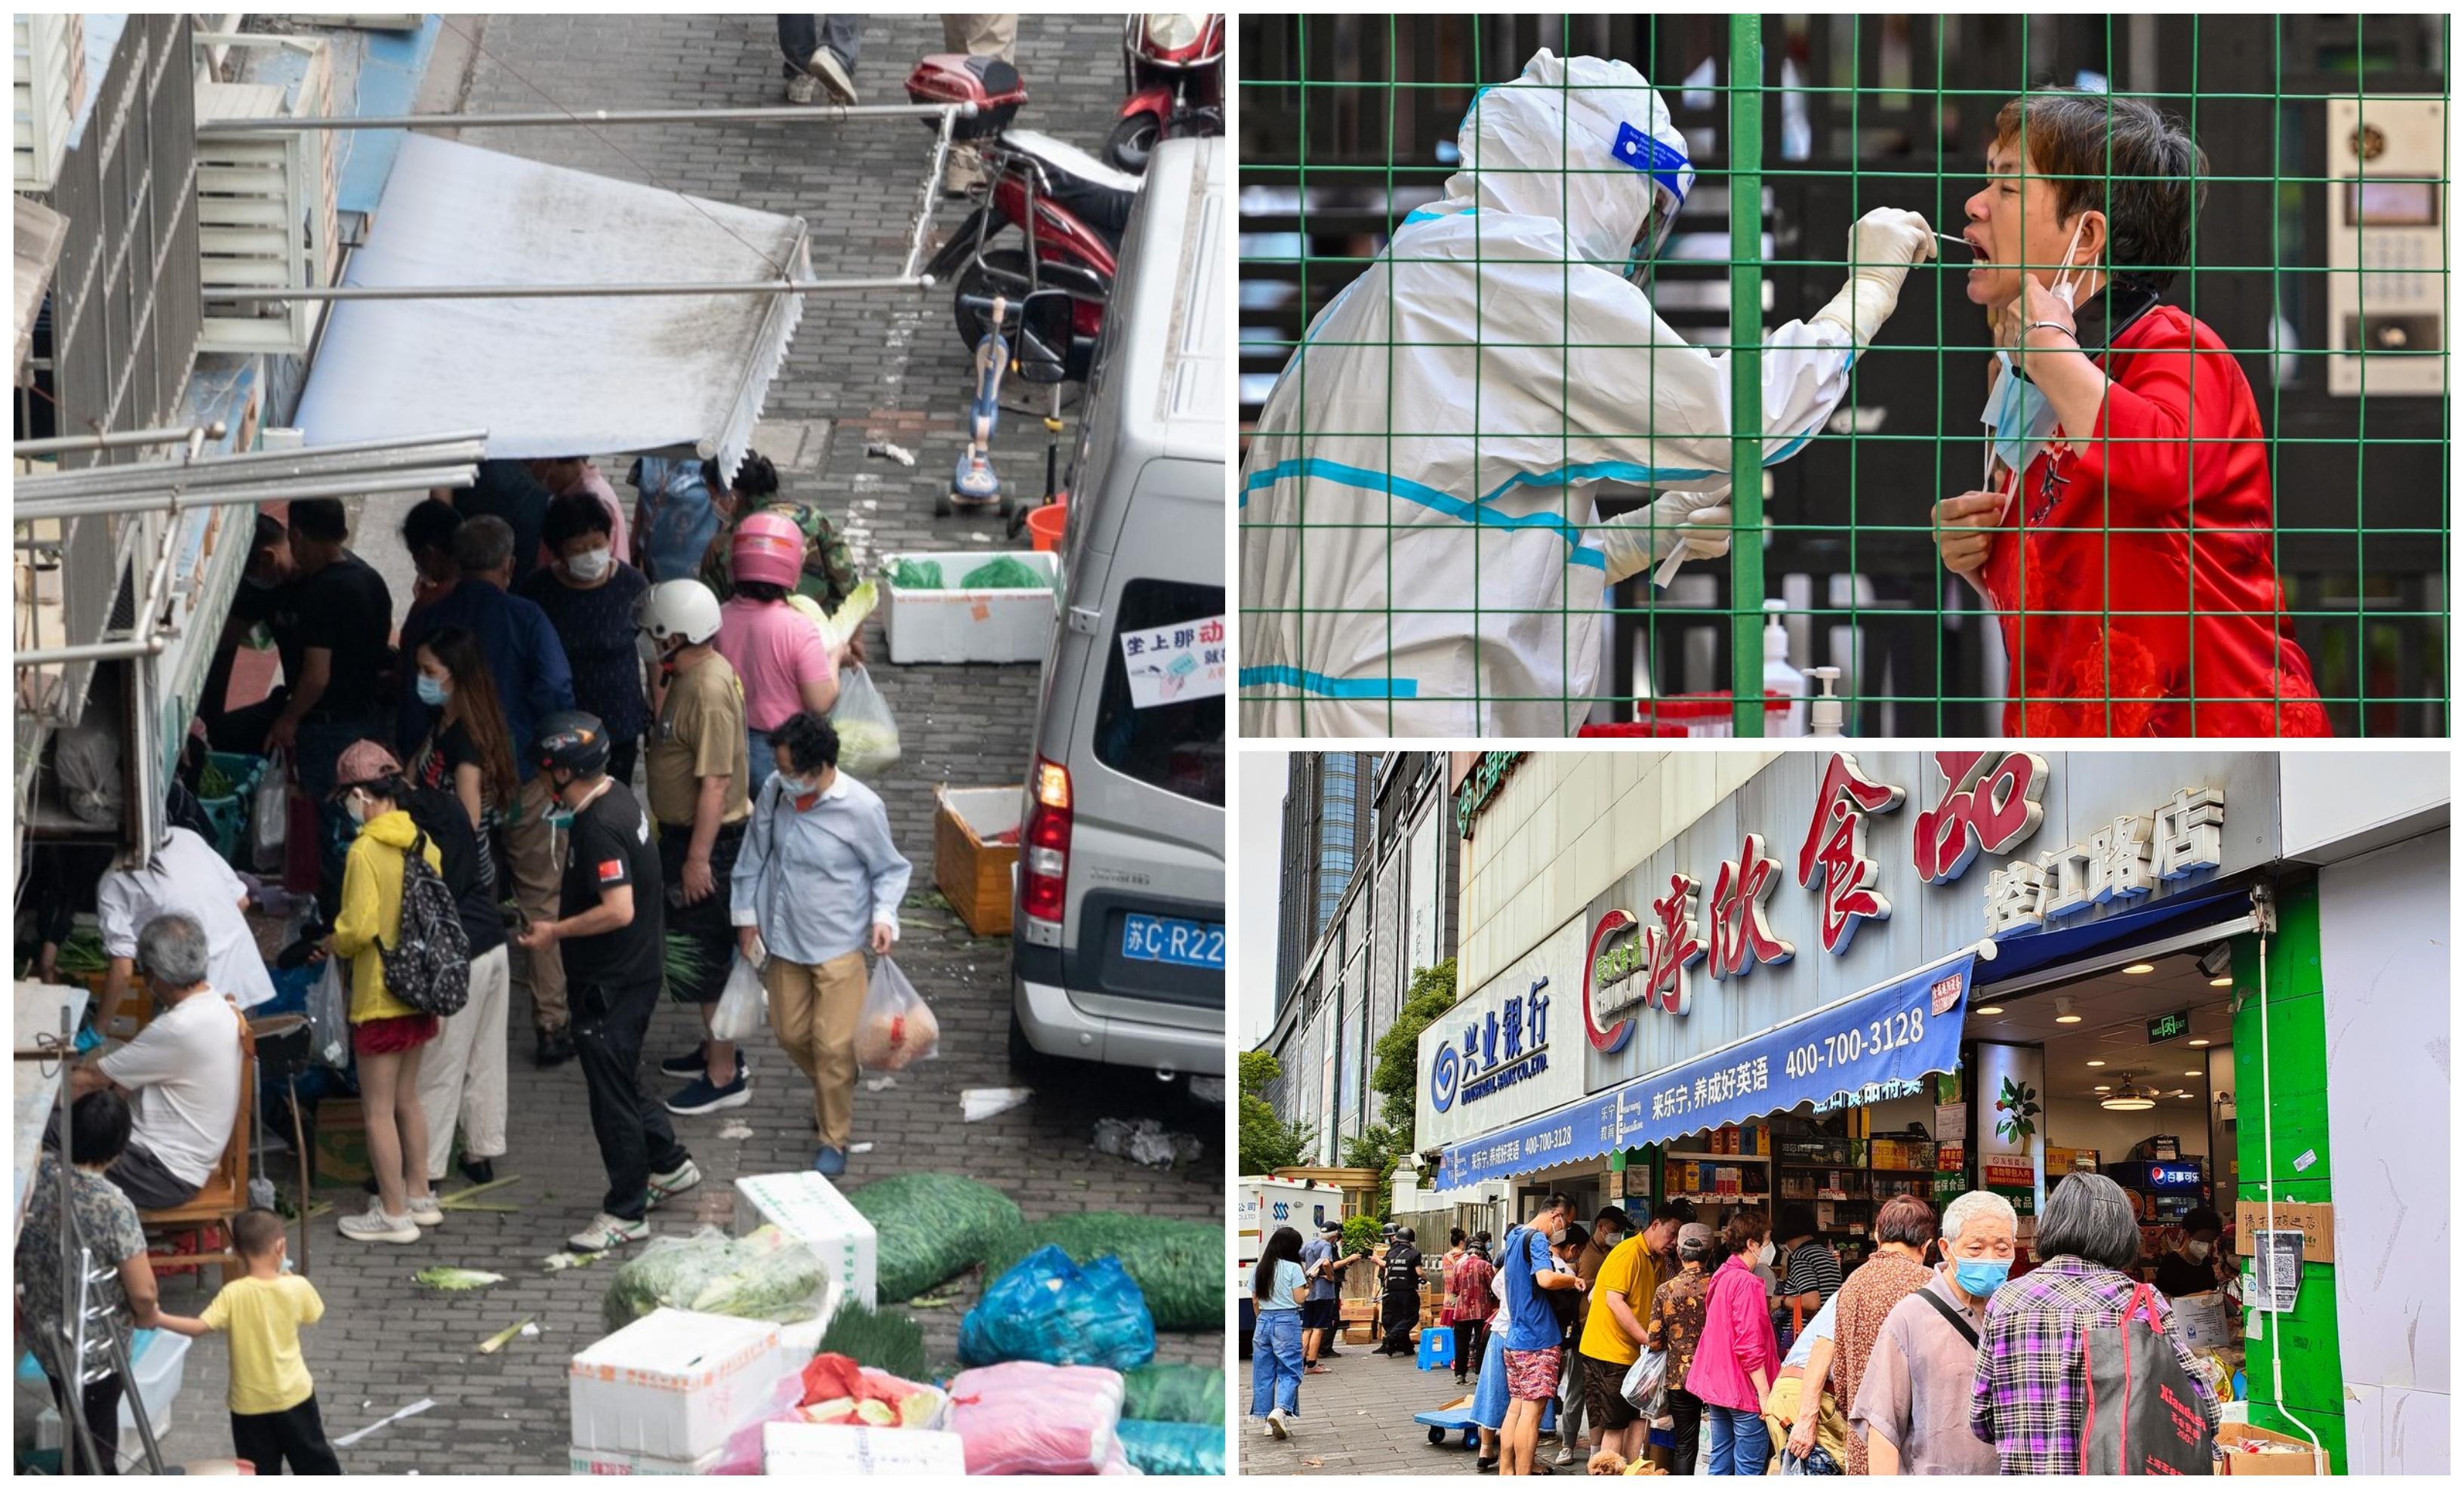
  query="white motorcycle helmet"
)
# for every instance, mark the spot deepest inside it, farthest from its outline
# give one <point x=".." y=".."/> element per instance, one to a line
<point x="679" y="609"/>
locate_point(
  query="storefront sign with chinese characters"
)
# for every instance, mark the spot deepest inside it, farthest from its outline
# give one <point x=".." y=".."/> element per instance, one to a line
<point x="1490" y="1051"/>
<point x="1991" y="801"/>
<point x="1487" y="774"/>
<point x="2122" y="859"/>
<point x="1741" y="933"/>
<point x="1832" y="859"/>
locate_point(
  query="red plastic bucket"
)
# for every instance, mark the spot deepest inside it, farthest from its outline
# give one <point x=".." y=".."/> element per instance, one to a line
<point x="1045" y="524"/>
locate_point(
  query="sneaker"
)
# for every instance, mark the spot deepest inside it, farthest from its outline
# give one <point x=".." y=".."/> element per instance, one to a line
<point x="824" y="64"/>
<point x="804" y="88"/>
<point x="426" y="1212"/>
<point x="1565" y="1457"/>
<point x="700" y="1096"/>
<point x="693" y="1062"/>
<point x="606" y="1232"/>
<point x="1278" y="1426"/>
<point x="664" y="1187"/>
<point x="479" y="1170"/>
<point x="829" y="1162"/>
<point x="373" y="1223"/>
<point x="555" y="1048"/>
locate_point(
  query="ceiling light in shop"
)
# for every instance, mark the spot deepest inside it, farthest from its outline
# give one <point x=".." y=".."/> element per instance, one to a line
<point x="2190" y="1073"/>
<point x="2138" y="968"/>
<point x="1989" y="1011"/>
<point x="2062" y="1014"/>
<point x="2219" y="982"/>
<point x="2094" y="1063"/>
<point x="2127" y="1100"/>
<point x="2104" y="1088"/>
<point x="2201" y="1044"/>
<point x="2183" y="1095"/>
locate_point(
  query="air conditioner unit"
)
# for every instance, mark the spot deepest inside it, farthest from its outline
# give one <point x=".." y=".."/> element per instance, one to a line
<point x="49" y="88"/>
<point x="266" y="216"/>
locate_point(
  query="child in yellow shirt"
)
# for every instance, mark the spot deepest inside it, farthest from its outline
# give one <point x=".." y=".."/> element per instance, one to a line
<point x="273" y="1401"/>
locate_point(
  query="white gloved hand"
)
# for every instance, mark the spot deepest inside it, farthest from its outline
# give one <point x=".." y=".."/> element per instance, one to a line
<point x="1694" y="520"/>
<point x="1881" y="246"/>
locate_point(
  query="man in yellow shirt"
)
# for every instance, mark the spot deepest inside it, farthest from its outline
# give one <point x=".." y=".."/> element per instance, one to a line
<point x="1620" y="1305"/>
<point x="272" y="1400"/>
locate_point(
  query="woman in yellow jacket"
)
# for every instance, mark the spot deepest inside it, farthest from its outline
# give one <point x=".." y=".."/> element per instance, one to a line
<point x="386" y="1033"/>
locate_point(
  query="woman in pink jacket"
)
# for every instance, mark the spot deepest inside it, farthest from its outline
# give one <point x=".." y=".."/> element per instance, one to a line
<point x="1739" y="1355"/>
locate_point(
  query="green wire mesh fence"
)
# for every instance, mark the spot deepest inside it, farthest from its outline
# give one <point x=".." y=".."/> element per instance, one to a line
<point x="2249" y="538"/>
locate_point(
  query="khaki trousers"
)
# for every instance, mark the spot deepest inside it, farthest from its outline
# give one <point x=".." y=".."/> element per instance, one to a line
<point x="530" y="843"/>
<point x="462" y="1077"/>
<point x="813" y="1010"/>
<point x="983" y="36"/>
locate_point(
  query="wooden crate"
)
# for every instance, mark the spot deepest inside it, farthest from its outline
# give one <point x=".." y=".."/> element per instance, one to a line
<point x="971" y="861"/>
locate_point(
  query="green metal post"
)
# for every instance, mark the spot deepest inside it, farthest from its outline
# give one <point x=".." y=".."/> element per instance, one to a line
<point x="1746" y="366"/>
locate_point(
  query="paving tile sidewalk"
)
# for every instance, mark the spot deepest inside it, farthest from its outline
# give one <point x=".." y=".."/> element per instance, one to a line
<point x="1358" y="1419"/>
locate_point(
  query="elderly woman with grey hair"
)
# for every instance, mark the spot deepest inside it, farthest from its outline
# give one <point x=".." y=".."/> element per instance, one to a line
<point x="180" y="1074"/>
<point x="2030" y="1391"/>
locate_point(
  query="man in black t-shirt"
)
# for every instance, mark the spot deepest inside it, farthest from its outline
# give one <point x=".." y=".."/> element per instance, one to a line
<point x="609" y="929"/>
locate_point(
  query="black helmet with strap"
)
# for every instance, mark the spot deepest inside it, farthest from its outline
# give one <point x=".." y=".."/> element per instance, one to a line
<point x="572" y="741"/>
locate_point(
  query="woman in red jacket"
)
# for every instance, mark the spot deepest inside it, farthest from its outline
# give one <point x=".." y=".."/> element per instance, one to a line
<point x="2125" y="531"/>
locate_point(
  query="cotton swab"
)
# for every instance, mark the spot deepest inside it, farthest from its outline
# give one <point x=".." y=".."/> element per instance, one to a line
<point x="1962" y="242"/>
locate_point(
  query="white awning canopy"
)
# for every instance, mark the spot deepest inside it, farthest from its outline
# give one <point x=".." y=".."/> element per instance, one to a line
<point x="41" y="234"/>
<point x="563" y="375"/>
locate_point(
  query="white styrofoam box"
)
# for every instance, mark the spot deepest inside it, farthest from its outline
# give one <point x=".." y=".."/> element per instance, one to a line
<point x="886" y="1452"/>
<point x="809" y="1208"/>
<point x="603" y="1461"/>
<point x="675" y="1383"/>
<point x="160" y="1359"/>
<point x="956" y="625"/>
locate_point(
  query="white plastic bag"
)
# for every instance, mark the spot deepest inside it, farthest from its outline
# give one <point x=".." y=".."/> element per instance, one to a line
<point x="896" y="1028"/>
<point x="744" y="1006"/>
<point x="1642" y="1387"/>
<point x="329" y="1015"/>
<point x="269" y="818"/>
<point x="867" y="734"/>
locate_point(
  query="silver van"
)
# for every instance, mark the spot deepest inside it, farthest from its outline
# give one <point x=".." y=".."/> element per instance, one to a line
<point x="1118" y="947"/>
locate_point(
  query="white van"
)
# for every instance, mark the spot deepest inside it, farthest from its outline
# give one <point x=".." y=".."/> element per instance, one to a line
<point x="1118" y="947"/>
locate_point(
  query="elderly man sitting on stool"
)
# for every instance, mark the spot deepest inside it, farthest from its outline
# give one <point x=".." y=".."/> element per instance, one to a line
<point x="180" y="1074"/>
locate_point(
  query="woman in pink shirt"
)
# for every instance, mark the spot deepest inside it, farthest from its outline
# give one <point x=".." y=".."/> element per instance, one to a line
<point x="779" y="654"/>
<point x="1738" y="1355"/>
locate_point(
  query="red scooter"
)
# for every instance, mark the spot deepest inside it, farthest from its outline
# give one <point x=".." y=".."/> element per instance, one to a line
<point x="1068" y="208"/>
<point x="1175" y="80"/>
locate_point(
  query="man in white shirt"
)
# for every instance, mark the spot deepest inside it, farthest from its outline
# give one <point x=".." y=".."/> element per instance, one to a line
<point x="185" y="877"/>
<point x="182" y="1073"/>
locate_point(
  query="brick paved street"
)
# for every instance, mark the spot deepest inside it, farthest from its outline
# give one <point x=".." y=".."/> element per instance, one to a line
<point x="873" y="367"/>
<point x="1358" y="1419"/>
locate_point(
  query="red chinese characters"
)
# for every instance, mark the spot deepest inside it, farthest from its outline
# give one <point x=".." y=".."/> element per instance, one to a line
<point x="1832" y="857"/>
<point x="1673" y="944"/>
<point x="1991" y="800"/>
<point x="1740" y="935"/>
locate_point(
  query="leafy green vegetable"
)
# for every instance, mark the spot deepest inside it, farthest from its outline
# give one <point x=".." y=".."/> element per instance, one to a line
<point x="866" y="746"/>
<point x="682" y="964"/>
<point x="915" y="575"/>
<point x="1174" y="1393"/>
<point x="891" y="1342"/>
<point x="455" y="1279"/>
<point x="933" y="1226"/>
<point x="1005" y="572"/>
<point x="214" y="783"/>
<point x="766" y="1274"/>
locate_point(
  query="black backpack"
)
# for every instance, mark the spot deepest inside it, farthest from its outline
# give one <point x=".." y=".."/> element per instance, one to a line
<point x="429" y="966"/>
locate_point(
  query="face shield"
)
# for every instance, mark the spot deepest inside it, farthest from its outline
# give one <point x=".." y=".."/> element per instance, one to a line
<point x="1661" y="155"/>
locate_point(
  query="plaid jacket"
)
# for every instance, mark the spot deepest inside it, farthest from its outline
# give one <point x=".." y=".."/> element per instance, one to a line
<point x="2031" y="1388"/>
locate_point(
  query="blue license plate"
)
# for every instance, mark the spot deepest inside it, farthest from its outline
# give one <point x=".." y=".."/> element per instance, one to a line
<point x="1154" y="938"/>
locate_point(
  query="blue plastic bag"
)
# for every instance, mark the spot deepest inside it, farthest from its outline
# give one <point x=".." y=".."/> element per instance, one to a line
<point x="1050" y="1310"/>
<point x="1173" y="1447"/>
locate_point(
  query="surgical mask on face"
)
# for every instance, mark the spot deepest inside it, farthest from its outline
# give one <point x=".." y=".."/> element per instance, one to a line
<point x="356" y="807"/>
<point x="2196" y="1250"/>
<point x="590" y="565"/>
<point x="1767" y="1255"/>
<point x="1979" y="1275"/>
<point x="432" y="691"/>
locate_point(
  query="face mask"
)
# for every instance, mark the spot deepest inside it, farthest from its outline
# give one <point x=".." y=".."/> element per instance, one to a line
<point x="590" y="565"/>
<point x="2196" y="1250"/>
<point x="2018" y="414"/>
<point x="1768" y="1253"/>
<point x="356" y="807"/>
<point x="431" y="692"/>
<point x="1978" y="1277"/>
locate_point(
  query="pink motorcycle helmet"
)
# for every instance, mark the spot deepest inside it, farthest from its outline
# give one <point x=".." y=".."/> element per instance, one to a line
<point x="767" y="548"/>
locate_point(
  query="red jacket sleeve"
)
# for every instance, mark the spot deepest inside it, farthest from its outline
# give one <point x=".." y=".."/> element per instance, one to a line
<point x="2176" y="427"/>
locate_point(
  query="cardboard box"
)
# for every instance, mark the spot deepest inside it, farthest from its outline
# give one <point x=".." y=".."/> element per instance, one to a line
<point x="809" y="1208"/>
<point x="1359" y="1331"/>
<point x="866" y="1452"/>
<point x="674" y="1384"/>
<point x="956" y="625"/>
<point x="974" y="853"/>
<point x="2232" y="1436"/>
<point x="2317" y="1224"/>
<point x="602" y="1461"/>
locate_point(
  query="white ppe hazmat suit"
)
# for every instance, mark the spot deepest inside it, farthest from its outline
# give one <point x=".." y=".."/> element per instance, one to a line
<point x="1420" y="551"/>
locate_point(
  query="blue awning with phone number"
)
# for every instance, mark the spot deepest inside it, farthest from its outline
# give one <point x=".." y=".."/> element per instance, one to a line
<point x="1866" y="1045"/>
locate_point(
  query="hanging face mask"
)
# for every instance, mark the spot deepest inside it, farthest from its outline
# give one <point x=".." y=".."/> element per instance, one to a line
<point x="1978" y="1277"/>
<point x="590" y="565"/>
<point x="2019" y="415"/>
<point x="433" y="692"/>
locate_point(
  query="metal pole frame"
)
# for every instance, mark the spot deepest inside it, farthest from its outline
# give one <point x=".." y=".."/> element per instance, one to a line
<point x="1745" y="371"/>
<point x="120" y="439"/>
<point x="804" y="113"/>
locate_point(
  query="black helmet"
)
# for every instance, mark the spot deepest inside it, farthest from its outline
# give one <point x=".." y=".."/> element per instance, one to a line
<point x="1407" y="1237"/>
<point x="572" y="741"/>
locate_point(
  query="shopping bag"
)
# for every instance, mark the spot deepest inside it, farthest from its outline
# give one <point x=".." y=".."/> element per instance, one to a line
<point x="743" y="1005"/>
<point x="329" y="1015"/>
<point x="269" y="818"/>
<point x="2143" y="1408"/>
<point x="1641" y="1389"/>
<point x="896" y="1028"/>
<point x="867" y="734"/>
